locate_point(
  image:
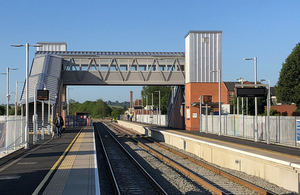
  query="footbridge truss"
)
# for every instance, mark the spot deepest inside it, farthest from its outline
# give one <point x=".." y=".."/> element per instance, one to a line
<point x="120" y="68"/>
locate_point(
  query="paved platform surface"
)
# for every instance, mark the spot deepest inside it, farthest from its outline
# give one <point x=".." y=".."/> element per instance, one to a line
<point x="63" y="165"/>
<point x="287" y="155"/>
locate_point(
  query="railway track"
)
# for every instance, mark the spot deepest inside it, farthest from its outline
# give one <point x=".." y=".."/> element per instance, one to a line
<point x="127" y="176"/>
<point x="213" y="179"/>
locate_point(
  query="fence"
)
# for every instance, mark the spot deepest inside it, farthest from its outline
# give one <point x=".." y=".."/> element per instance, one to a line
<point x="12" y="133"/>
<point x="78" y="121"/>
<point x="283" y="129"/>
<point x="145" y="118"/>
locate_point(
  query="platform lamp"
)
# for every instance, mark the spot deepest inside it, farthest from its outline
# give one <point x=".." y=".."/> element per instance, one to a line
<point x="220" y="109"/>
<point x="255" y="82"/>
<point x="27" y="90"/>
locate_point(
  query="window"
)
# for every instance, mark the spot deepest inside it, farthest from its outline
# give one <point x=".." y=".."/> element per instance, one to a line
<point x="205" y="40"/>
<point x="230" y="94"/>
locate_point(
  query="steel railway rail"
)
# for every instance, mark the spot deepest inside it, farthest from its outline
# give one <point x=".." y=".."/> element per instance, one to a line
<point x="217" y="188"/>
<point x="126" y="178"/>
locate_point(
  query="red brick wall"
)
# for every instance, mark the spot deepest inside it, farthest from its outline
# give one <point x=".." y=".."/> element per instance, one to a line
<point x="192" y="92"/>
<point x="286" y="110"/>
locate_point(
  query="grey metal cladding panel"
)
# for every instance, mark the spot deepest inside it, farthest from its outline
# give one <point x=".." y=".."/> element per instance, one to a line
<point x="38" y="65"/>
<point x="55" y="66"/>
<point x="203" y="32"/>
<point x="203" y="54"/>
<point x="41" y="69"/>
<point x="52" y="85"/>
<point x="187" y="59"/>
<point x="32" y="82"/>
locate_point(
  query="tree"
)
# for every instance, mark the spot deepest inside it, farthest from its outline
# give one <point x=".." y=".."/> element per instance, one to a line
<point x="116" y="112"/>
<point x="102" y="110"/>
<point x="288" y="85"/>
<point x="164" y="95"/>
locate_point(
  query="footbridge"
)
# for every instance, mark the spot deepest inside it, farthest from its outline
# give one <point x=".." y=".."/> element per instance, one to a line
<point x="119" y="68"/>
<point x="55" y="68"/>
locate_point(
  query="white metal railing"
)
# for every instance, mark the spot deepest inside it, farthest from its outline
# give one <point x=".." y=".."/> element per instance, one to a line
<point x="153" y="119"/>
<point x="12" y="133"/>
<point x="283" y="129"/>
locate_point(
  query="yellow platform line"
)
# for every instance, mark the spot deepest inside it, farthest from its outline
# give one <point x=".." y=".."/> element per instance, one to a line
<point x="54" y="167"/>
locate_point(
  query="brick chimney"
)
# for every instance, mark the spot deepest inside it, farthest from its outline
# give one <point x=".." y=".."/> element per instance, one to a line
<point x="131" y="103"/>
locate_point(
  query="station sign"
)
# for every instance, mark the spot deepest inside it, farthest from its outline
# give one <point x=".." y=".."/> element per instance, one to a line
<point x="250" y="92"/>
<point x="43" y="94"/>
<point x="298" y="130"/>
<point x="137" y="107"/>
<point x="207" y="99"/>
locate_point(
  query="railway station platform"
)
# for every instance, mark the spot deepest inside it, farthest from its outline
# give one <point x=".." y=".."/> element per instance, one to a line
<point x="277" y="164"/>
<point x="65" y="165"/>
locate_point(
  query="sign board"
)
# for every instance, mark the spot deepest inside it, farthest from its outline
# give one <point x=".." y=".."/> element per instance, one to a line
<point x="188" y="114"/>
<point x="206" y="99"/>
<point x="298" y="130"/>
<point x="250" y="92"/>
<point x="136" y="107"/>
<point x="194" y="115"/>
<point x="43" y="94"/>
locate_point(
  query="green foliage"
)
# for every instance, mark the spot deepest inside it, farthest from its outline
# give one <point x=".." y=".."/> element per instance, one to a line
<point x="118" y="104"/>
<point x="273" y="112"/>
<point x="12" y="110"/>
<point x="102" y="109"/>
<point x="97" y="109"/>
<point x="164" y="95"/>
<point x="116" y="112"/>
<point x="288" y="85"/>
<point x="2" y="110"/>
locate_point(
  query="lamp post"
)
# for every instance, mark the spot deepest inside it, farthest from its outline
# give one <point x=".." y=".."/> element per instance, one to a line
<point x="16" y="109"/>
<point x="255" y="82"/>
<point x="147" y="107"/>
<point x="220" y="109"/>
<point x="152" y="108"/>
<point x="17" y="82"/>
<point x="7" y="103"/>
<point x="268" y="111"/>
<point x="27" y="90"/>
<point x="68" y="108"/>
<point x="15" y="130"/>
<point x="7" y="89"/>
<point x="34" y="115"/>
<point x="159" y="106"/>
<point x="241" y="80"/>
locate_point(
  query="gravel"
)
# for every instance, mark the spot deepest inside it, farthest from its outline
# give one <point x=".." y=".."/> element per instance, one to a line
<point x="176" y="183"/>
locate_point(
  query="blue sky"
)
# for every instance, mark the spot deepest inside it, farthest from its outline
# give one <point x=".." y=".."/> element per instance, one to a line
<point x="266" y="29"/>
